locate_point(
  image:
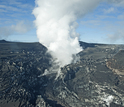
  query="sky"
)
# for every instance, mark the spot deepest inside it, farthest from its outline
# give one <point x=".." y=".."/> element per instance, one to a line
<point x="102" y="24"/>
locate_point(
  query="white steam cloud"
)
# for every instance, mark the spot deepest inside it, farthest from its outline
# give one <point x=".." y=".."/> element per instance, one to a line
<point x="56" y="26"/>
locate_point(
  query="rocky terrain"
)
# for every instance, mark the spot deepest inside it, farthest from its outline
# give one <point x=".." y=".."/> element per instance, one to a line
<point x="97" y="80"/>
<point x="116" y="63"/>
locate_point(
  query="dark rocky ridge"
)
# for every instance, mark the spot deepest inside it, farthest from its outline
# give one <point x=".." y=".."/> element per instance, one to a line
<point x="87" y="83"/>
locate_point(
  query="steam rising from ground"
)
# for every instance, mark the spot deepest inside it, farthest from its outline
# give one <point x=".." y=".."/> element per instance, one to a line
<point x="56" y="26"/>
<point x="108" y="99"/>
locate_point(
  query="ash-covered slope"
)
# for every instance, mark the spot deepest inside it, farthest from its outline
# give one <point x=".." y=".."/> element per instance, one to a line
<point x="87" y="83"/>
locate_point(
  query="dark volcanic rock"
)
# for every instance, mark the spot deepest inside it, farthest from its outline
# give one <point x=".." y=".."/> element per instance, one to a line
<point x="20" y="66"/>
<point x="3" y="41"/>
<point x="91" y="82"/>
<point x="85" y="45"/>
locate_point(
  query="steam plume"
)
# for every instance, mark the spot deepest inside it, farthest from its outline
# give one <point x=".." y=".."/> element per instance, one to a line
<point x="56" y="26"/>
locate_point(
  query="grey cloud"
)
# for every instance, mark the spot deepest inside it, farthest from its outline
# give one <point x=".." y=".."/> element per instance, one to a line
<point x="116" y="2"/>
<point x="20" y="28"/>
<point x="110" y="10"/>
<point x="117" y="36"/>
